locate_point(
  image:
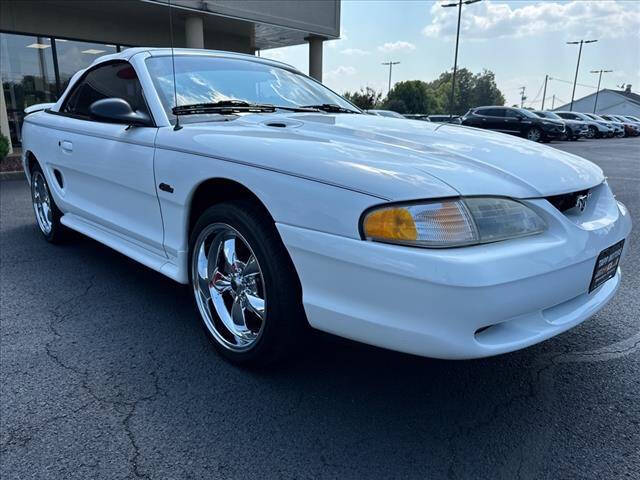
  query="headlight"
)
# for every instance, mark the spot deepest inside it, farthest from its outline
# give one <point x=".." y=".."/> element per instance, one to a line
<point x="451" y="223"/>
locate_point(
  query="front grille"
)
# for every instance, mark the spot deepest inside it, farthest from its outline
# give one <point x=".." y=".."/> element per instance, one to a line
<point x="566" y="201"/>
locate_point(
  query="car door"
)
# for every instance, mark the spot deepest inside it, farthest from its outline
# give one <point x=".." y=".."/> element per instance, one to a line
<point x="512" y="121"/>
<point x="495" y="119"/>
<point x="483" y="118"/>
<point x="107" y="168"/>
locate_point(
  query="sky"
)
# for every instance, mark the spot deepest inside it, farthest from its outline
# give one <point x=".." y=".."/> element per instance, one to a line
<point x="520" y="41"/>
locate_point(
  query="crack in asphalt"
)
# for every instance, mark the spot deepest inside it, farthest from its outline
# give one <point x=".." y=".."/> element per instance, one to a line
<point x="57" y="317"/>
<point x="545" y="364"/>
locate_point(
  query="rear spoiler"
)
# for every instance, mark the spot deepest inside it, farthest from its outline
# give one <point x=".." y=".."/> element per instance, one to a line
<point x="38" y="107"/>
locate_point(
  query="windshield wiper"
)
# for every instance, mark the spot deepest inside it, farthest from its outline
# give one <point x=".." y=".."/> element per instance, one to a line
<point x="331" y="108"/>
<point x="223" y="107"/>
<point x="226" y="107"/>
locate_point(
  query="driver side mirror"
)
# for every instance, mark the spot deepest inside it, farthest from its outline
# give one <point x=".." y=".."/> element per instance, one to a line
<point x="118" y="110"/>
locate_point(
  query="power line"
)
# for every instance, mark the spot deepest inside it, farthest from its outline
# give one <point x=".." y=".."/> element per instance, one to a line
<point x="537" y="95"/>
<point x="567" y="81"/>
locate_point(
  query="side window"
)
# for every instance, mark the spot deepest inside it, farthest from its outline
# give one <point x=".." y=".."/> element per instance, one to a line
<point x="489" y="112"/>
<point x="117" y="80"/>
<point x="497" y="112"/>
<point x="512" y="114"/>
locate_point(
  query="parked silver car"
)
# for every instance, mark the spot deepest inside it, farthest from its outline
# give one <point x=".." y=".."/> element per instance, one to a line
<point x="596" y="129"/>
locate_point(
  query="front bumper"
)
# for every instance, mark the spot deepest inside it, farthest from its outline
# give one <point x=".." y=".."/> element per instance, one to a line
<point x="553" y="131"/>
<point x="462" y="302"/>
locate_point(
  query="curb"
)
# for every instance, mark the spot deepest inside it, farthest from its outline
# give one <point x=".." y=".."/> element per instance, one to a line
<point x="12" y="175"/>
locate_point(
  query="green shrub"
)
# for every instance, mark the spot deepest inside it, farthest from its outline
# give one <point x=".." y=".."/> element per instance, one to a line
<point x="4" y="146"/>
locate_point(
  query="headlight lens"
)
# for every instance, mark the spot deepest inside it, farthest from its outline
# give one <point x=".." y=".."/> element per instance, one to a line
<point x="451" y="223"/>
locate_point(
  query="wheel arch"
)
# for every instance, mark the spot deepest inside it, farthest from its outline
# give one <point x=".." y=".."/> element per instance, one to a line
<point x="216" y="190"/>
<point x="30" y="161"/>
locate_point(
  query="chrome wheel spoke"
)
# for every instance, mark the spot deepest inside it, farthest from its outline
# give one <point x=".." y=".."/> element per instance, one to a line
<point x="220" y="281"/>
<point x="255" y="305"/>
<point x="251" y="267"/>
<point x="229" y="254"/>
<point x="237" y="313"/>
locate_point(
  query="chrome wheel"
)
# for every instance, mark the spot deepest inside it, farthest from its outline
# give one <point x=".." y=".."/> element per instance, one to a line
<point x="41" y="202"/>
<point x="534" y="135"/>
<point x="229" y="287"/>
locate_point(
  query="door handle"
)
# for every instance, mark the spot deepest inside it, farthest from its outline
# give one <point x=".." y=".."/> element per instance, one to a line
<point x="67" y="146"/>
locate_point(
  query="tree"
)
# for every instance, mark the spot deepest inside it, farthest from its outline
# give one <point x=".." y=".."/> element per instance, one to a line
<point x="365" y="98"/>
<point x="412" y="96"/>
<point x="471" y="90"/>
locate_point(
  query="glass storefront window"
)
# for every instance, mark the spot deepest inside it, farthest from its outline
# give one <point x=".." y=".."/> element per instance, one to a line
<point x="74" y="56"/>
<point x="28" y="76"/>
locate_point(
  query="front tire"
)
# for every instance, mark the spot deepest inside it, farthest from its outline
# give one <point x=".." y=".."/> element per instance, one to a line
<point x="244" y="284"/>
<point x="593" y="132"/>
<point x="534" y="134"/>
<point x="46" y="211"/>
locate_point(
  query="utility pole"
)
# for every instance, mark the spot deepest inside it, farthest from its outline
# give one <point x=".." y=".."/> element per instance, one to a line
<point x="522" y="96"/>
<point x="455" y="60"/>
<point x="553" y="103"/>
<point x="575" y="80"/>
<point x="600" y="72"/>
<point x="391" y="64"/>
<point x="544" y="93"/>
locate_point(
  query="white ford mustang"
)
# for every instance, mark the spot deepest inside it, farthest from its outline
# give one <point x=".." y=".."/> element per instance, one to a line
<point x="282" y="204"/>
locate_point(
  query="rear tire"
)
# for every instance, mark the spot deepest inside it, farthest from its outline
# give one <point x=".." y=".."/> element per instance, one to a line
<point x="45" y="209"/>
<point x="245" y="285"/>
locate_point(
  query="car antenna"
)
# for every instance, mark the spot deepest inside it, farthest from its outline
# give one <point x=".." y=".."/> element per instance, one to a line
<point x="177" y="126"/>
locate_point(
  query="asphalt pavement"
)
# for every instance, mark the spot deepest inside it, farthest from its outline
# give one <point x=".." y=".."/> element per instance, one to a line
<point x="105" y="373"/>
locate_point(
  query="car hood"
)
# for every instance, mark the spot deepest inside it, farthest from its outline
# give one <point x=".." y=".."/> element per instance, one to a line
<point x="574" y="122"/>
<point x="391" y="158"/>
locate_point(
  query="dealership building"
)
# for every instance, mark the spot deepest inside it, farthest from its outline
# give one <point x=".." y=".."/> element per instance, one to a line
<point x="607" y="101"/>
<point x="44" y="42"/>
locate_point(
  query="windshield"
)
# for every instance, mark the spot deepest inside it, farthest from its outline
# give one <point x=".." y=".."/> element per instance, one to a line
<point x="208" y="79"/>
<point x="552" y="115"/>
<point x="527" y="113"/>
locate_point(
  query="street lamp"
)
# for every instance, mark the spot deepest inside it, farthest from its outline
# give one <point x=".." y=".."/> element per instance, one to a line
<point x="600" y="72"/>
<point x="391" y="64"/>
<point x="577" y="67"/>
<point x="455" y="60"/>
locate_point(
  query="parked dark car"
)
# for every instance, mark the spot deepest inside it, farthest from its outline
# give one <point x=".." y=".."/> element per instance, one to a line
<point x="417" y="116"/>
<point x="516" y="121"/>
<point x="574" y="129"/>
<point x="445" y="119"/>
<point x="385" y="113"/>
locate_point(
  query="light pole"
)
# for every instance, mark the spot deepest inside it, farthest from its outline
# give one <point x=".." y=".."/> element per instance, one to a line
<point x="544" y="94"/>
<point x="391" y="64"/>
<point x="600" y="72"/>
<point x="455" y="60"/>
<point x="575" y="80"/>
